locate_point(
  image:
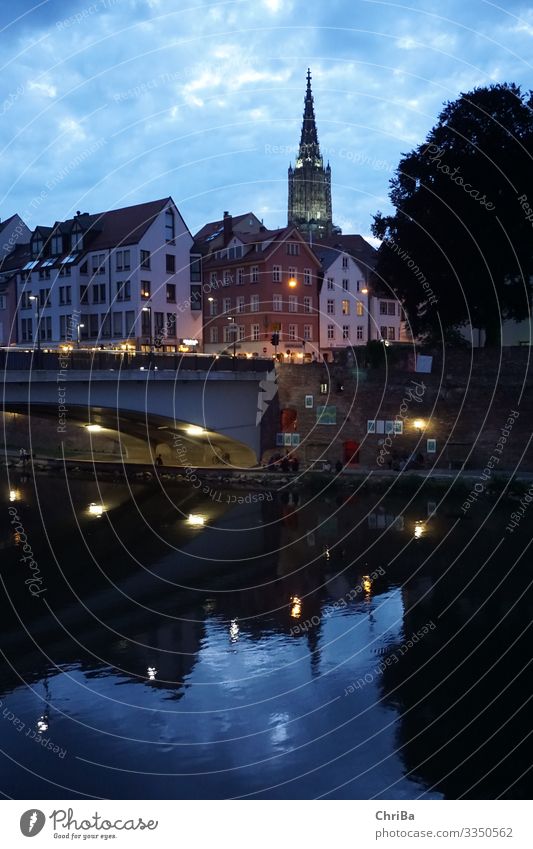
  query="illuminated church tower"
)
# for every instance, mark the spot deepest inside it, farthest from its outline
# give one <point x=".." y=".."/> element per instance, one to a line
<point x="309" y="206"/>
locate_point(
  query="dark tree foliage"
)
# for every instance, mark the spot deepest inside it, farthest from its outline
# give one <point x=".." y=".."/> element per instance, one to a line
<point x="459" y="247"/>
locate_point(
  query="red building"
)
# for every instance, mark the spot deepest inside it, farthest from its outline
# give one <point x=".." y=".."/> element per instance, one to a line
<point x="256" y="283"/>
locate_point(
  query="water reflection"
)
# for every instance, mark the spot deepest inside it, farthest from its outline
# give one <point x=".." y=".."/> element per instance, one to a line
<point x="269" y="652"/>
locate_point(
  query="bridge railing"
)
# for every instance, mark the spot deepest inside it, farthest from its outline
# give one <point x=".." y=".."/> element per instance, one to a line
<point x="13" y="359"/>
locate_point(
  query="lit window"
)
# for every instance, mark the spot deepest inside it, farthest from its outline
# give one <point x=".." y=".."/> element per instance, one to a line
<point x="359" y="308"/>
<point x="346" y="307"/>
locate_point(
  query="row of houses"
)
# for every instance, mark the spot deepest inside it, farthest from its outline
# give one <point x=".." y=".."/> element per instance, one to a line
<point x="137" y="279"/>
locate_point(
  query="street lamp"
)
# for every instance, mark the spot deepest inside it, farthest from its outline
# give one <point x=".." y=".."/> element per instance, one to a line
<point x="149" y="311"/>
<point x="79" y="333"/>
<point x="234" y="334"/>
<point x="37" y="320"/>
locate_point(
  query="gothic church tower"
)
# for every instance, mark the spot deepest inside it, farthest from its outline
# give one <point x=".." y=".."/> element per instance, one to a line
<point x="309" y="206"/>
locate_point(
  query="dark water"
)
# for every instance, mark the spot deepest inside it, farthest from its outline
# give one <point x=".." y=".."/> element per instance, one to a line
<point x="267" y="654"/>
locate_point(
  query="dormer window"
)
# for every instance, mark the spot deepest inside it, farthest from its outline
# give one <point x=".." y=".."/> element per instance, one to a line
<point x="37" y="246"/>
<point x="57" y="244"/>
<point x="77" y="240"/>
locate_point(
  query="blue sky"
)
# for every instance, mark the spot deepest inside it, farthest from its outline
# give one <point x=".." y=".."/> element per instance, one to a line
<point x="114" y="102"/>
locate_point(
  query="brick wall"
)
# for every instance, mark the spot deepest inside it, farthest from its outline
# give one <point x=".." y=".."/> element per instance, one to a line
<point x="464" y="403"/>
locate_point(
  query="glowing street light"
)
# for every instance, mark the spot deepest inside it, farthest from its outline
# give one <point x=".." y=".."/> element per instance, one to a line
<point x="93" y="428"/>
<point x="419" y="424"/>
<point x="293" y="283"/>
<point x="37" y="320"/>
<point x="97" y="510"/>
<point x="195" y="430"/>
<point x="420" y="529"/>
<point x="195" y="520"/>
<point x="296" y="607"/>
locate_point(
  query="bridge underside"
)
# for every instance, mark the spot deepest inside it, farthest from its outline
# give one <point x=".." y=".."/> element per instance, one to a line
<point x="105" y="435"/>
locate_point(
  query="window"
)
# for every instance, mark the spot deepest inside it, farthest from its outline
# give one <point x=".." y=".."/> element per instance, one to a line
<point x="3" y="302"/>
<point x="171" y="293"/>
<point x="66" y="271"/>
<point x="46" y="328"/>
<point x="37" y="246"/>
<point x="146" y="289"/>
<point x="308" y="332"/>
<point x="292" y="273"/>
<point x="255" y="332"/>
<point x="44" y="274"/>
<point x="77" y="240"/>
<point x="99" y="293"/>
<point x="239" y="303"/>
<point x="254" y="274"/>
<point x="331" y="283"/>
<point x="345" y="285"/>
<point x="371" y="426"/>
<point x="254" y="303"/>
<point x="391" y="308"/>
<point x="226" y="304"/>
<point x="25" y="302"/>
<point x="196" y="297"/>
<point x="307" y="303"/>
<point x="213" y="335"/>
<point x="277" y="304"/>
<point x="145" y="259"/>
<point x="383" y="308"/>
<point x="146" y="323"/>
<point x="117" y="324"/>
<point x="84" y="268"/>
<point x="359" y="308"/>
<point x="57" y="245"/>
<point x="391" y="335"/>
<point x="94" y="322"/>
<point x="330" y="307"/>
<point x="240" y="332"/>
<point x="293" y="303"/>
<point x="130" y="323"/>
<point x="240" y="276"/>
<point x="105" y="329"/>
<point x="170" y="263"/>
<point x="44" y="297"/>
<point x="65" y="296"/>
<point x="228" y="332"/>
<point x="293" y="248"/>
<point x="359" y="331"/>
<point x="124" y="291"/>
<point x="324" y="388"/>
<point x="293" y="329"/>
<point x="431" y="446"/>
<point x="331" y="332"/>
<point x="346" y="307"/>
<point x="228" y="278"/>
<point x="345" y="331"/>
<point x="213" y="306"/>
<point x="159" y="323"/>
<point x="383" y="332"/>
<point x="345" y="262"/>
<point x="307" y="276"/>
<point x="170" y="232"/>
<point x="123" y="260"/>
<point x="276" y="273"/>
<point x="97" y="264"/>
<point x="171" y="325"/>
<point x="84" y="294"/>
<point x="26" y="325"/>
<point x="213" y="278"/>
<point x="64" y="327"/>
<point x="195" y="269"/>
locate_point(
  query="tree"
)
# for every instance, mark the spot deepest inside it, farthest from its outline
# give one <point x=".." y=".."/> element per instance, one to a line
<point x="459" y="247"/>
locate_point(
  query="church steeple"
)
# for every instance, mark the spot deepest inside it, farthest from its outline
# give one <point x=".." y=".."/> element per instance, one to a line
<point x="309" y="206"/>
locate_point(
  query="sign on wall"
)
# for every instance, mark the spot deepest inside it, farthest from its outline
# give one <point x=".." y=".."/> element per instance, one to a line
<point x="326" y="415"/>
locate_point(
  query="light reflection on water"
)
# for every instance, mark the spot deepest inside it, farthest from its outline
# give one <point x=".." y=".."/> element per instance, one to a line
<point x="285" y="674"/>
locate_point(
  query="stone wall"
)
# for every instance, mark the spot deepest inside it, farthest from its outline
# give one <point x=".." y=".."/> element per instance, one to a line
<point x="463" y="404"/>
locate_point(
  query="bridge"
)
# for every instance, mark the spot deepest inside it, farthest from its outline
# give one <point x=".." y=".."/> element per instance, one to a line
<point x="190" y="409"/>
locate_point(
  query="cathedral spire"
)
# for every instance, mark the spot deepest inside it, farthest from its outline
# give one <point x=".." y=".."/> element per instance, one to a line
<point x="309" y="206"/>
<point x="309" y="148"/>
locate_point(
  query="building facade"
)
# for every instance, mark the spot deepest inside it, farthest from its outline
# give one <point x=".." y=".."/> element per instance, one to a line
<point x="122" y="279"/>
<point x="14" y="237"/>
<point x="256" y="285"/>
<point x="309" y="203"/>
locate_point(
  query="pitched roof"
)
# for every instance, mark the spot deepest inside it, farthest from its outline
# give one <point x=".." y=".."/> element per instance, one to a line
<point x="212" y="227"/>
<point x="18" y="257"/>
<point x="351" y="243"/>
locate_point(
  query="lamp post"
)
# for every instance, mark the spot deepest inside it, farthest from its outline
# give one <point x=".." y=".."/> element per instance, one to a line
<point x="79" y="333"/>
<point x="149" y="311"/>
<point x="366" y="291"/>
<point x="37" y="320"/>
<point x="234" y="334"/>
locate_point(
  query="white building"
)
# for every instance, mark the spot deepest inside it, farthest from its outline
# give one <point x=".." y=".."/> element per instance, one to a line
<point x="118" y="279"/>
<point x="345" y="317"/>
